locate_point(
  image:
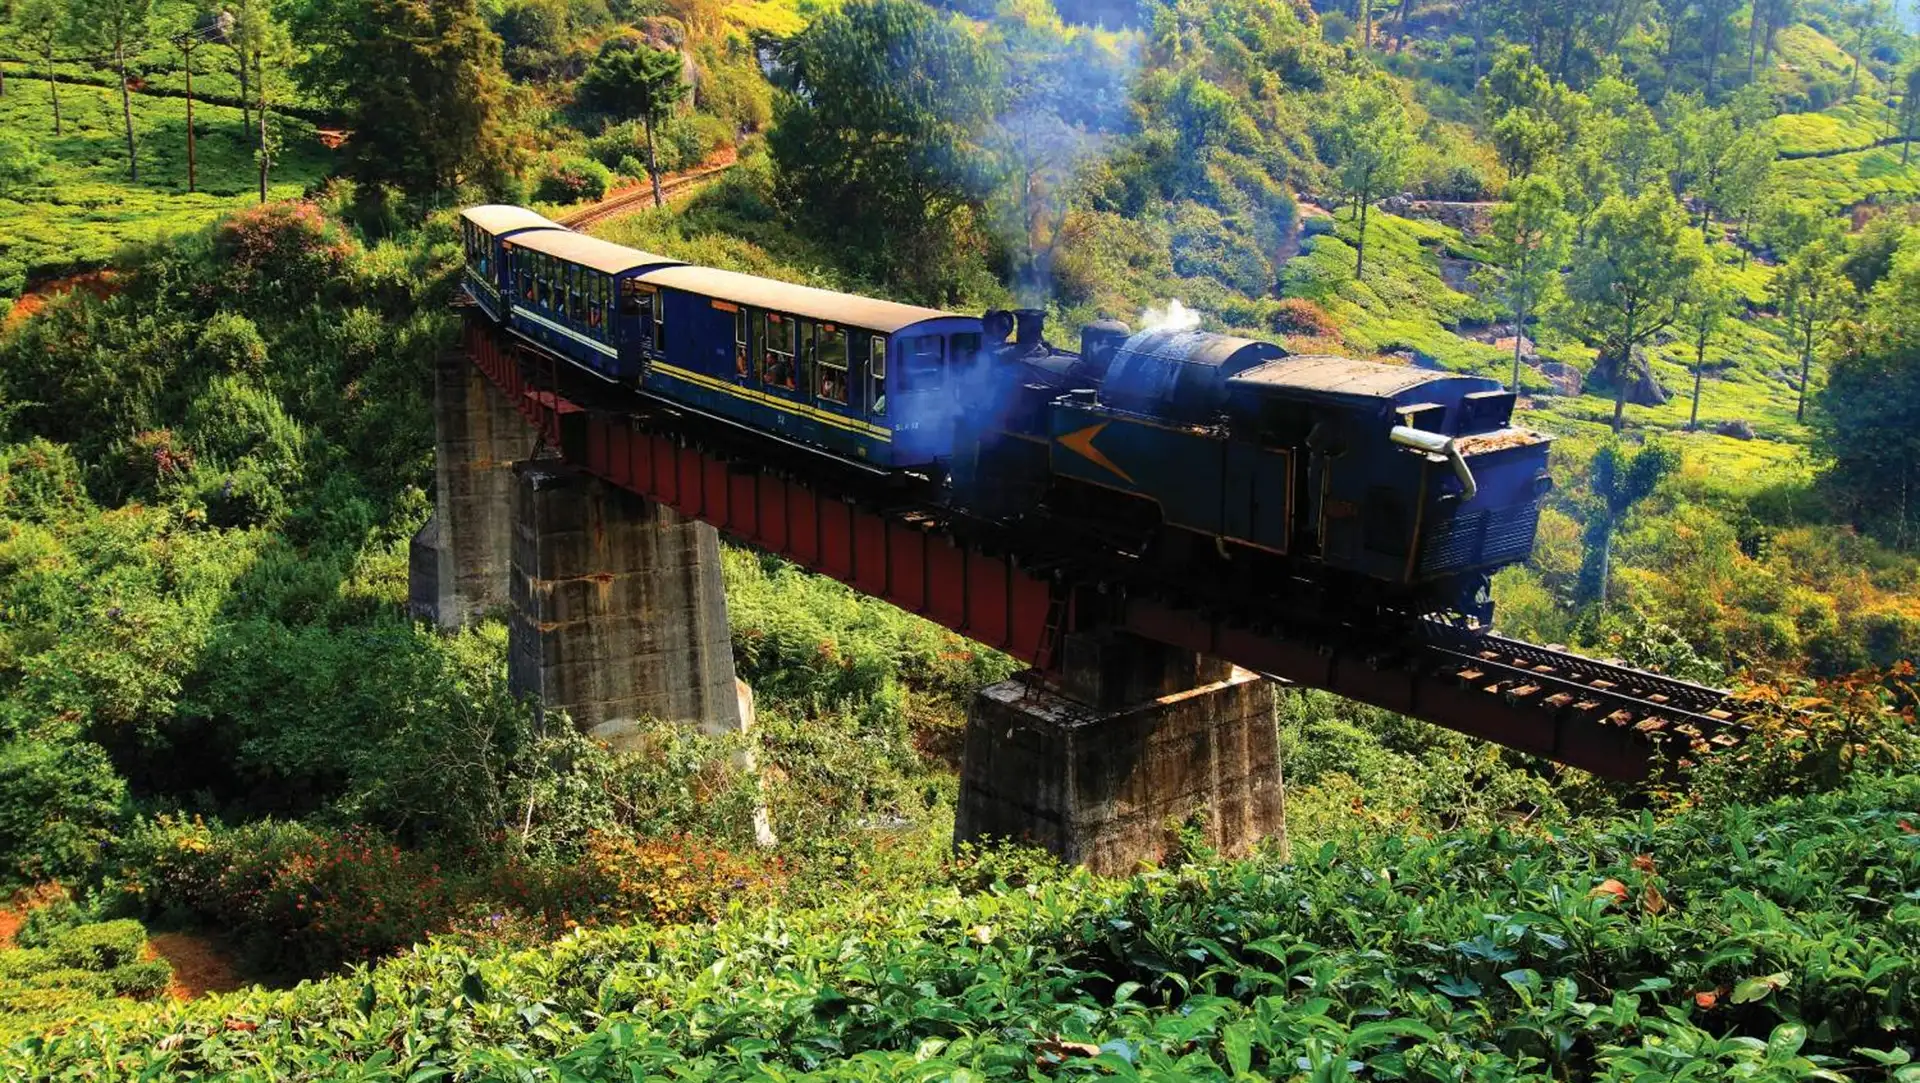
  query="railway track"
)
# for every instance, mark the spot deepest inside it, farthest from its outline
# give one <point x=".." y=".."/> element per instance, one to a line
<point x="1679" y="717"/>
<point x="639" y="198"/>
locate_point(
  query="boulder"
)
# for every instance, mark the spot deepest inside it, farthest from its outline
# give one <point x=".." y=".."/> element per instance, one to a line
<point x="1563" y="378"/>
<point x="1738" y="428"/>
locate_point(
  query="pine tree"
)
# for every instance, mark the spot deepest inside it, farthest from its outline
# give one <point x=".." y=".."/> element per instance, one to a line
<point x="632" y="79"/>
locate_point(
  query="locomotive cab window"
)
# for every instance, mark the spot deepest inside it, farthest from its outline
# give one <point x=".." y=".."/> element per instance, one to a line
<point x="832" y="364"/>
<point x="923" y="362"/>
<point x="966" y="349"/>
<point x="877" y="373"/>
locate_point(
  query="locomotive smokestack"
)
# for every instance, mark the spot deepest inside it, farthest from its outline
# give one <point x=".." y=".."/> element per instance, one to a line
<point x="1029" y="325"/>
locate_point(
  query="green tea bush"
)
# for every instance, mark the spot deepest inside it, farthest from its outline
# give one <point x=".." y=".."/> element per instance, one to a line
<point x="1771" y="942"/>
<point x="101" y="946"/>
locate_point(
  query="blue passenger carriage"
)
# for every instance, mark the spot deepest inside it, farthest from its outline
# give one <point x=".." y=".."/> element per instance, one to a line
<point x="583" y="298"/>
<point x="483" y="233"/>
<point x="871" y="381"/>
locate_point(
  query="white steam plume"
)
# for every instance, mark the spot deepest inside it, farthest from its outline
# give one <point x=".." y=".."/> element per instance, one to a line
<point x="1174" y="317"/>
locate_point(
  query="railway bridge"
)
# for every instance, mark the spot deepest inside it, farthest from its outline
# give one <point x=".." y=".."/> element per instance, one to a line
<point x="592" y="516"/>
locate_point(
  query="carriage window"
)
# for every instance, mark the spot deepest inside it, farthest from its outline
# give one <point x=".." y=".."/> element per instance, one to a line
<point x="923" y="362"/>
<point x="596" y="300"/>
<point x="777" y="339"/>
<point x="742" y="365"/>
<point x="629" y="297"/>
<point x="576" y="302"/>
<point x="966" y="349"/>
<point x="659" y="305"/>
<point x="832" y="356"/>
<point x="877" y="369"/>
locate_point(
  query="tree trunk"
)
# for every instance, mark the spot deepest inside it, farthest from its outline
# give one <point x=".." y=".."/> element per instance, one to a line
<point x="1806" y="369"/>
<point x="1606" y="563"/>
<point x="240" y="66"/>
<point x="1753" y="41"/>
<point x="1699" y="367"/>
<point x="187" y="56"/>
<point x="1713" y="57"/>
<point x="126" y="110"/>
<point x="53" y="91"/>
<point x="1400" y="26"/>
<point x="1519" y="336"/>
<point x="653" y="167"/>
<point x="266" y="156"/>
<point x="1360" y="250"/>
<point x="1620" y="378"/>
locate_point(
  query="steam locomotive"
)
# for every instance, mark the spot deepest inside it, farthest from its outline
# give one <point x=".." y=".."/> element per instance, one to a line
<point x="1225" y="460"/>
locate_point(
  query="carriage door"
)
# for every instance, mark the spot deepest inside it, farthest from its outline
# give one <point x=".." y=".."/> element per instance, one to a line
<point x="922" y="414"/>
<point x="782" y="361"/>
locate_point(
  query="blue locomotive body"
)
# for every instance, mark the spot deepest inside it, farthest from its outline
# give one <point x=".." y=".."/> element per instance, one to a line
<point x="1411" y="484"/>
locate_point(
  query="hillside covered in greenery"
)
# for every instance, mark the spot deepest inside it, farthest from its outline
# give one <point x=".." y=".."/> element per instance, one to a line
<point x="1684" y="229"/>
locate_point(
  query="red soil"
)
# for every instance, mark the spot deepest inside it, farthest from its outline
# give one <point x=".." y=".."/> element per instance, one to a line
<point x="98" y="283"/>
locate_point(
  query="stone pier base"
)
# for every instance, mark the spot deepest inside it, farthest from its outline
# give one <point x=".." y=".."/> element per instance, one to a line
<point x="617" y="610"/>
<point x="1132" y="739"/>
<point x="457" y="568"/>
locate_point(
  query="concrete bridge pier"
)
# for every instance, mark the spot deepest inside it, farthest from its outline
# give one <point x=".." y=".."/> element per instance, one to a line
<point x="617" y="609"/>
<point x="1132" y="736"/>
<point x="457" y="563"/>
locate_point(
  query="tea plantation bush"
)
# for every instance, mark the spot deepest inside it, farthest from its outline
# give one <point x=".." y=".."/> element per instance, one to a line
<point x="1780" y="942"/>
<point x="66" y="964"/>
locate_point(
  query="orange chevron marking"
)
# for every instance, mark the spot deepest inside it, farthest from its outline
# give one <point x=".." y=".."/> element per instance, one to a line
<point x="1082" y="442"/>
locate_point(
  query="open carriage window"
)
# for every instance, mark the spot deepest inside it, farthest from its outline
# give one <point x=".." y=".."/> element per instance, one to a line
<point x="832" y="364"/>
<point x="778" y="349"/>
<point x="877" y="373"/>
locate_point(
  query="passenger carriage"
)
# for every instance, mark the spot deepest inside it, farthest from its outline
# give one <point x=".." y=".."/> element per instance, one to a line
<point x="871" y="381"/>
<point x="583" y="298"/>
<point x="483" y="232"/>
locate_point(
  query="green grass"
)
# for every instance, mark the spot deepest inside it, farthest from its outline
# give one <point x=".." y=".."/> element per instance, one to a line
<point x="85" y="208"/>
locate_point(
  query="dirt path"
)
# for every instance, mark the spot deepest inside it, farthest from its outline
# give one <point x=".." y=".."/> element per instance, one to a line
<point x="10" y="922"/>
<point x="200" y="966"/>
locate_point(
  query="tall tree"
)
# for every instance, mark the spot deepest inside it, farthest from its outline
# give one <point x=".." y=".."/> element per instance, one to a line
<point x="1528" y="244"/>
<point x="421" y="84"/>
<point x="1868" y="424"/>
<point x="1621" y="478"/>
<point x="115" y="26"/>
<point x="1812" y="296"/>
<point x="630" y="78"/>
<point x="873" y="145"/>
<point x="1868" y="21"/>
<point x="269" y="49"/>
<point x="1709" y="303"/>
<point x="1632" y="277"/>
<point x="1368" y="140"/>
<point x="1714" y="15"/>
<point x="42" y="25"/>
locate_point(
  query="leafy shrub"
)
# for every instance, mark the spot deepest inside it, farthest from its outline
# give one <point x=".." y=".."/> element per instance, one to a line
<point x="575" y="180"/>
<point x="289" y="251"/>
<point x="1299" y="316"/>
<point x="60" y="801"/>
<point x="687" y="139"/>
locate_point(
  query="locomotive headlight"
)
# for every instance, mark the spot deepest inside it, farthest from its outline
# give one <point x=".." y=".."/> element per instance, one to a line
<point x="1434" y="443"/>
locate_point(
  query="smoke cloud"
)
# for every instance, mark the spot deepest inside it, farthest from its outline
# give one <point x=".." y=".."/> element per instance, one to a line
<point x="1174" y="317"/>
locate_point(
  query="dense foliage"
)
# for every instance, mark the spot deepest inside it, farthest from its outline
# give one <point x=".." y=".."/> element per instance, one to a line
<point x="1770" y="942"/>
